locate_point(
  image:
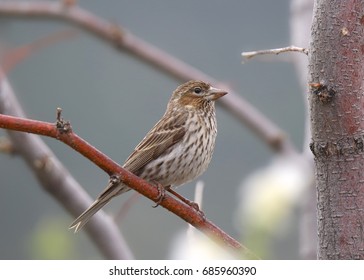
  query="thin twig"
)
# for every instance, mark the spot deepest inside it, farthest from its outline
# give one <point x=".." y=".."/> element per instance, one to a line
<point x="200" y="185"/>
<point x="249" y="55"/>
<point x="11" y="58"/>
<point x="197" y="199"/>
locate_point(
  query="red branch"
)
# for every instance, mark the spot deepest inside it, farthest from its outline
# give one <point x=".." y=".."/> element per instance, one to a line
<point x="111" y="167"/>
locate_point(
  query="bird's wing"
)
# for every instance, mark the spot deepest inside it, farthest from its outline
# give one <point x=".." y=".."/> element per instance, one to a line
<point x="166" y="133"/>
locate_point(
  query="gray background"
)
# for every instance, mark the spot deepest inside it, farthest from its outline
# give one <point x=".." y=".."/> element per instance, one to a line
<point x="113" y="99"/>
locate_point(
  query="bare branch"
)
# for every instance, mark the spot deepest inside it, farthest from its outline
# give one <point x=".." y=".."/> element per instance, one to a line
<point x="59" y="183"/>
<point x="187" y="213"/>
<point x="249" y="55"/>
<point x="11" y="58"/>
<point x="123" y="40"/>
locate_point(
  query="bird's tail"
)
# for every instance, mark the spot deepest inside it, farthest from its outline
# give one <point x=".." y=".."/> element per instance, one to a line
<point x="110" y="191"/>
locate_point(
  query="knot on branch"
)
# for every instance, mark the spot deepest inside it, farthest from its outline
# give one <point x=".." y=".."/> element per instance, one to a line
<point x="62" y="125"/>
<point x="323" y="92"/>
<point x="114" y="180"/>
<point x="69" y="3"/>
<point x="117" y="34"/>
<point x="341" y="148"/>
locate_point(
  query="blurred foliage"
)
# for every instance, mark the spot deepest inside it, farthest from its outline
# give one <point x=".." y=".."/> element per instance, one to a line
<point x="49" y="241"/>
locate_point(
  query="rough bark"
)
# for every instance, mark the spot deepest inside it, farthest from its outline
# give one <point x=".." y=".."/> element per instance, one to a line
<point x="336" y="72"/>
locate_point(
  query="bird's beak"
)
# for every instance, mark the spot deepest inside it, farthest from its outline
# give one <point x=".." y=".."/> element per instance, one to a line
<point x="215" y="93"/>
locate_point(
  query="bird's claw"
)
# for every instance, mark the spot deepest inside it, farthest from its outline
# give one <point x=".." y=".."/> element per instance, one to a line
<point x="161" y="194"/>
<point x="195" y="206"/>
<point x="202" y="215"/>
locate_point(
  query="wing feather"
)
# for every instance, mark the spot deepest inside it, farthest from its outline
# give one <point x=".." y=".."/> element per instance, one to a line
<point x="166" y="133"/>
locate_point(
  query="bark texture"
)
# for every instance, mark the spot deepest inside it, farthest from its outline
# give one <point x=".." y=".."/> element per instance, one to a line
<point x="336" y="71"/>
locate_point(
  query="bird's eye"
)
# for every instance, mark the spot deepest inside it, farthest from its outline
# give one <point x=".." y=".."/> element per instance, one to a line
<point x="197" y="90"/>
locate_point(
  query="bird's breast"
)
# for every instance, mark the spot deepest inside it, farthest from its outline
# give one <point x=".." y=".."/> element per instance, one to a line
<point x="187" y="159"/>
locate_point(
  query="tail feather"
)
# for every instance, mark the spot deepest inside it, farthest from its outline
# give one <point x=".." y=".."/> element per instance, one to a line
<point x="110" y="191"/>
<point x="87" y="215"/>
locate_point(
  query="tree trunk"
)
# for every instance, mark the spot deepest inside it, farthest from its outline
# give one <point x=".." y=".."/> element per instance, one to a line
<point x="336" y="72"/>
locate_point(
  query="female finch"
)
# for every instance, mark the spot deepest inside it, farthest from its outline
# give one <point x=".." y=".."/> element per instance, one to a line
<point x="176" y="150"/>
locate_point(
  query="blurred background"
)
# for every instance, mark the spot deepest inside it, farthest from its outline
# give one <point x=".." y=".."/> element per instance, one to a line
<point x="113" y="99"/>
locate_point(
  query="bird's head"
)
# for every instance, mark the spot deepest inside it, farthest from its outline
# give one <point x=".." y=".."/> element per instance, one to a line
<point x="195" y="94"/>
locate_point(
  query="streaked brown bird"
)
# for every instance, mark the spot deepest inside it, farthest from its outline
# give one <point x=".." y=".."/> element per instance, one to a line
<point x="176" y="150"/>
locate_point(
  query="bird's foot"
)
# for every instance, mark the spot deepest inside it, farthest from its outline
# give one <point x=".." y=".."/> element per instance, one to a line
<point x="195" y="206"/>
<point x="161" y="194"/>
<point x="190" y="203"/>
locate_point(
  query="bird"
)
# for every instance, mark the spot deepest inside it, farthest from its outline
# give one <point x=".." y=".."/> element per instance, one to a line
<point x="175" y="151"/>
